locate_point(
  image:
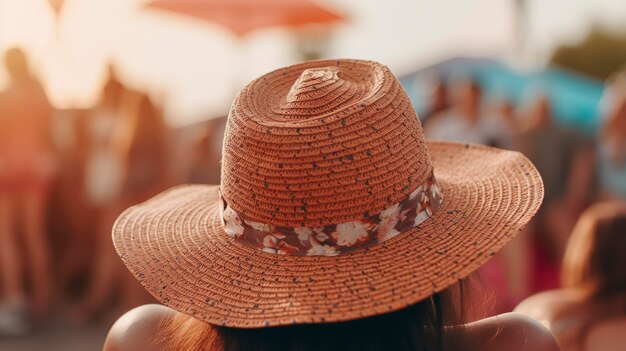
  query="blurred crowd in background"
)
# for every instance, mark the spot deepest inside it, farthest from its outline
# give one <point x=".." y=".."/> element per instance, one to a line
<point x="66" y="174"/>
<point x="577" y="169"/>
<point x="64" y="178"/>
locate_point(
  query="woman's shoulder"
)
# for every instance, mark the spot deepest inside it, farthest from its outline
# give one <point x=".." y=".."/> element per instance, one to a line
<point x="544" y="305"/>
<point x="137" y="328"/>
<point x="513" y="332"/>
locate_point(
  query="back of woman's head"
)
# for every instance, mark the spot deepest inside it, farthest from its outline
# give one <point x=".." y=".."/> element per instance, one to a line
<point x="415" y="328"/>
<point x="595" y="258"/>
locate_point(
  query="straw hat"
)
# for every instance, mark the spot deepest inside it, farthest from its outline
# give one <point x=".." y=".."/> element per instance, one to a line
<point x="332" y="206"/>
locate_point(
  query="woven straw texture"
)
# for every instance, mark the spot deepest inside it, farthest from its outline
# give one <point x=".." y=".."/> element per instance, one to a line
<point x="323" y="143"/>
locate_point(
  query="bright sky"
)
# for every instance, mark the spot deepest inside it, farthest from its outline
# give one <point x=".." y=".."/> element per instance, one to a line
<point x="197" y="66"/>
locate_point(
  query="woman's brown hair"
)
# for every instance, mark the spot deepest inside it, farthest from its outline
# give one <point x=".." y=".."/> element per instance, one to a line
<point x="595" y="258"/>
<point x="421" y="326"/>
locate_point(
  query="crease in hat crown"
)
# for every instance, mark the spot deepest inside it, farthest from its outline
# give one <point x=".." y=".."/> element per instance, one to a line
<point x="322" y="143"/>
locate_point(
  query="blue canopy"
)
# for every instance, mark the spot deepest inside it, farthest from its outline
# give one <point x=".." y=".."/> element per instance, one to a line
<point x="574" y="98"/>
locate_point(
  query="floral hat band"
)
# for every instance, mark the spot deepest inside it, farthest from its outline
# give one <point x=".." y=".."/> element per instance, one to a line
<point x="336" y="239"/>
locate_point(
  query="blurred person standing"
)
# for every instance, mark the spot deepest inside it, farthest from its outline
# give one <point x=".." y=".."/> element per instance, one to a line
<point x="553" y="148"/>
<point x="26" y="171"/>
<point x="565" y="161"/>
<point x="103" y="181"/>
<point x="466" y="120"/>
<point x="589" y="312"/>
<point x="147" y="148"/>
<point x="104" y="169"/>
<point x="611" y="152"/>
<point x="138" y="168"/>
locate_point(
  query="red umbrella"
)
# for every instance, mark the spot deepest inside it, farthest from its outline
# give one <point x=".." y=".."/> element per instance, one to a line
<point x="244" y="16"/>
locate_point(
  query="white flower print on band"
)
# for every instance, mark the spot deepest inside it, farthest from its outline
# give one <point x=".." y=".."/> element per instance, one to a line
<point x="336" y="239"/>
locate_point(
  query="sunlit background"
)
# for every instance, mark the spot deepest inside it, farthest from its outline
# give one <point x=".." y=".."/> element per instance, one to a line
<point x="543" y="76"/>
<point x="196" y="66"/>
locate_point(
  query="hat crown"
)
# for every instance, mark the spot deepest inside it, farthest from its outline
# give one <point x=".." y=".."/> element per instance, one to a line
<point x="322" y="80"/>
<point x="323" y="142"/>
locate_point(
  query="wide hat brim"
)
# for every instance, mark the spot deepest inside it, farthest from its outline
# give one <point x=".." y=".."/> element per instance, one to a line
<point x="175" y="246"/>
